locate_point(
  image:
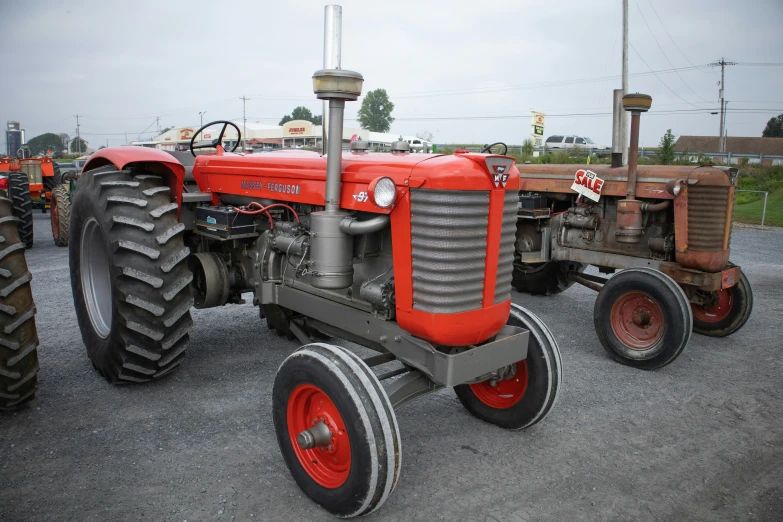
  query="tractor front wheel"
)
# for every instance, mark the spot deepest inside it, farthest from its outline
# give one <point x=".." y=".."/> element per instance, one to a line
<point x="728" y="314"/>
<point x="129" y="277"/>
<point x="60" y="215"/>
<point x="528" y="395"/>
<point x="336" y="429"/>
<point x="544" y="278"/>
<point x="22" y="203"/>
<point x="18" y="335"/>
<point x="643" y="318"/>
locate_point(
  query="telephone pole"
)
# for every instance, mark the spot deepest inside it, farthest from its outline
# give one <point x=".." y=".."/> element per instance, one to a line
<point x="78" y="137"/>
<point x="244" y="122"/>
<point x="722" y="138"/>
<point x="157" y="120"/>
<point x="624" y="116"/>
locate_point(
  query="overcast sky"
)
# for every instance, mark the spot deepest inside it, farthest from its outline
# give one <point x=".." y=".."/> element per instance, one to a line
<point x="120" y="64"/>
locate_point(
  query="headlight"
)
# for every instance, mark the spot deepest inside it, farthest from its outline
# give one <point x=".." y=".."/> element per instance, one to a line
<point x="383" y="192"/>
<point x="674" y="187"/>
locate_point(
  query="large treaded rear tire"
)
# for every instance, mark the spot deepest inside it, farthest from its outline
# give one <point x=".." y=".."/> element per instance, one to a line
<point x="545" y="278"/>
<point x="138" y="329"/>
<point x="18" y="335"/>
<point x="19" y="192"/>
<point x="60" y="215"/>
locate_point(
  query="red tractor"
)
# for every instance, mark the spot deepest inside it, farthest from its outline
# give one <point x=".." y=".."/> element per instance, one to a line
<point x="409" y="255"/>
<point x="666" y="228"/>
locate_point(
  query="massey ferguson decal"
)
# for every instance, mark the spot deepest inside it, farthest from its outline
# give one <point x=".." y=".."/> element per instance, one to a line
<point x="588" y="184"/>
<point x="500" y="177"/>
<point x="282" y="188"/>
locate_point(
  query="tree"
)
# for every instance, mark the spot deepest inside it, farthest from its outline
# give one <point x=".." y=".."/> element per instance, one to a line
<point x="301" y="113"/>
<point x="45" y="142"/>
<point x="78" y="146"/>
<point x="64" y="139"/>
<point x="774" y="128"/>
<point x="425" y="135"/>
<point x="528" y="147"/>
<point x="667" y="148"/>
<point x="375" y="112"/>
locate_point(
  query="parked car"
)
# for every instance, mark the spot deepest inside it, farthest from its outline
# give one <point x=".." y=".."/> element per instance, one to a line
<point x="576" y="142"/>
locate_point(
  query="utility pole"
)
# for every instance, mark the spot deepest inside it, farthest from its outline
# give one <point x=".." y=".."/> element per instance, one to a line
<point x="722" y="138"/>
<point x="157" y="120"/>
<point x="201" y="115"/>
<point x="244" y="122"/>
<point x="624" y="116"/>
<point x="78" y="137"/>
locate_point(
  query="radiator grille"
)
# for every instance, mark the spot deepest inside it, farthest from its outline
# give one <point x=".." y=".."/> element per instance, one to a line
<point x="448" y="249"/>
<point x="508" y="236"/>
<point x="707" y="209"/>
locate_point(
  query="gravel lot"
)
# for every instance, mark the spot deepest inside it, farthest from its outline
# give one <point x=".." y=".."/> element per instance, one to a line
<point x="701" y="439"/>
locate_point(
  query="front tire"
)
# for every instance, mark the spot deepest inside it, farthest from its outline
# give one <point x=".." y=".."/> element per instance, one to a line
<point x="18" y="335"/>
<point x="730" y="312"/>
<point x="643" y="318"/>
<point x="528" y="396"/>
<point x="19" y="192"/>
<point x="129" y="278"/>
<point x="353" y="473"/>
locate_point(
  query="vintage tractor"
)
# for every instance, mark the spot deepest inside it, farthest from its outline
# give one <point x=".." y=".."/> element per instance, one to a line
<point x="666" y="228"/>
<point x="29" y="178"/>
<point x="18" y="335"/>
<point x="409" y="255"/>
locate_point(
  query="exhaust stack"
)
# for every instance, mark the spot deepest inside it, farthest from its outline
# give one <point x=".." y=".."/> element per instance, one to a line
<point x="629" y="210"/>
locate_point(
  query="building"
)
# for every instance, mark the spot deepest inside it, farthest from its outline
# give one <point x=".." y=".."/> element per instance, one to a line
<point x="14" y="138"/>
<point x="765" y="151"/>
<point x="296" y="134"/>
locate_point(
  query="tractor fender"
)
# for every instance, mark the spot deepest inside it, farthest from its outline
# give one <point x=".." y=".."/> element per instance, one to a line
<point x="159" y="162"/>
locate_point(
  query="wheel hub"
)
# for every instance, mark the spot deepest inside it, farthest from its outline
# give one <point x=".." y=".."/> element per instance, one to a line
<point x="505" y="393"/>
<point x="637" y="320"/>
<point x="718" y="310"/>
<point x="318" y="436"/>
<point x="96" y="278"/>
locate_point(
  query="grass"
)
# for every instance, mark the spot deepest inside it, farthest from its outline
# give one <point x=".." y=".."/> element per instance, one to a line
<point x="751" y="212"/>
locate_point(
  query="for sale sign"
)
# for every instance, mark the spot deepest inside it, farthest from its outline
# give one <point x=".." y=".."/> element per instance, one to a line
<point x="588" y="184"/>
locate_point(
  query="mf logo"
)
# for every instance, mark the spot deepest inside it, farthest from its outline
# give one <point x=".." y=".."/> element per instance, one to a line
<point x="500" y="177"/>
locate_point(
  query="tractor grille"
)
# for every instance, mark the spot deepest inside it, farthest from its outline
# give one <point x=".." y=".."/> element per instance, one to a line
<point x="707" y="209"/>
<point x="448" y="249"/>
<point x="508" y="235"/>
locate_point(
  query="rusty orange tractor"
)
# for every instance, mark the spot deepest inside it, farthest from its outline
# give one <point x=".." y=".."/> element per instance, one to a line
<point x="667" y="229"/>
<point x="28" y="178"/>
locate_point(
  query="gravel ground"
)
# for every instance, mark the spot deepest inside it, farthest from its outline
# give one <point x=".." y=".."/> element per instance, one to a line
<point x="701" y="439"/>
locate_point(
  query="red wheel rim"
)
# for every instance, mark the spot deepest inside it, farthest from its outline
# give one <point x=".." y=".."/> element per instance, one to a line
<point x="55" y="217"/>
<point x="717" y="312"/>
<point x="637" y="320"/>
<point x="330" y="465"/>
<point x="505" y="393"/>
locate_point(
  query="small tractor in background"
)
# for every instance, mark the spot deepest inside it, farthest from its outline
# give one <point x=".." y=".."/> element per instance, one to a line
<point x="408" y="255"/>
<point x="665" y="228"/>
<point x="29" y="178"/>
<point x="18" y="335"/>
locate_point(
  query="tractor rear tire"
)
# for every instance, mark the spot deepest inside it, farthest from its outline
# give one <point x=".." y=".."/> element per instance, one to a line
<point x="50" y="182"/>
<point x="357" y="469"/>
<point x="729" y="314"/>
<point x="528" y="396"/>
<point x="544" y="278"/>
<point x="19" y="192"/>
<point x="130" y="281"/>
<point x="60" y="215"/>
<point x="18" y="335"/>
<point x="643" y="318"/>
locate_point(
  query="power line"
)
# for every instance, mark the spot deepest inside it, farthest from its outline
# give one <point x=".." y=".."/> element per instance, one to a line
<point x="670" y="37"/>
<point x="659" y="78"/>
<point x="664" y="52"/>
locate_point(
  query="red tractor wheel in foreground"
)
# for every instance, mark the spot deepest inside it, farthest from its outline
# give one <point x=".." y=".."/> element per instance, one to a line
<point x="728" y="314"/>
<point x="643" y="318"/>
<point x="336" y="429"/>
<point x="60" y="215"/>
<point x="525" y="397"/>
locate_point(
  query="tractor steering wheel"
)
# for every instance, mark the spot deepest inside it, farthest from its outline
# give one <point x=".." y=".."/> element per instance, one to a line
<point x="488" y="148"/>
<point x="217" y="141"/>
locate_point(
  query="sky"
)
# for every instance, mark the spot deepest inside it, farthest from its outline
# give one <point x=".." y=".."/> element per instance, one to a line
<point x="467" y="72"/>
